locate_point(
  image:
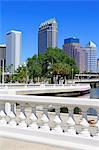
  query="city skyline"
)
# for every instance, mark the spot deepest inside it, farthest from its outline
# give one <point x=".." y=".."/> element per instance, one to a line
<point x="74" y="19"/>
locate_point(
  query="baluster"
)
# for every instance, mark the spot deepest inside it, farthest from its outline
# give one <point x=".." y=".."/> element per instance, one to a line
<point x="22" y="117"/>
<point x="12" y="115"/>
<point x="7" y="107"/>
<point x="33" y="119"/>
<point x="57" y="120"/>
<point x="84" y="123"/>
<point x="97" y="124"/>
<point x="45" y="119"/>
<point x="2" y="115"/>
<point x="70" y="122"/>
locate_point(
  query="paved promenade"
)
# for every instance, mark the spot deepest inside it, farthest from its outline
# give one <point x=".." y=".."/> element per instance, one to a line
<point x="14" y="144"/>
<point x="11" y="144"/>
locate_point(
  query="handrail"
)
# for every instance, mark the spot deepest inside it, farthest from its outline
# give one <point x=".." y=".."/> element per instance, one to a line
<point x="51" y="100"/>
<point x="27" y="121"/>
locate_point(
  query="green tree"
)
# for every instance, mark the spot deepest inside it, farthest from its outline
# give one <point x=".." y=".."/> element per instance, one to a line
<point x="54" y="62"/>
<point x="34" y="65"/>
<point x="59" y="60"/>
<point x="20" y="74"/>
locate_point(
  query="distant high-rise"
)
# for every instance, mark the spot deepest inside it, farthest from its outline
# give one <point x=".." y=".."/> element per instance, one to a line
<point x="73" y="49"/>
<point x="91" y="57"/>
<point x="98" y="65"/>
<point x="72" y="41"/>
<point x="2" y="59"/>
<point x="47" y="35"/>
<point x="2" y="52"/>
<point x="13" y="49"/>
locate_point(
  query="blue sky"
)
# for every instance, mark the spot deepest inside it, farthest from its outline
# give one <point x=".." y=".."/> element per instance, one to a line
<point x="75" y="18"/>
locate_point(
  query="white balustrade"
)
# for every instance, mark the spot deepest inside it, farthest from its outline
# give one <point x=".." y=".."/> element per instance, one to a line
<point x="26" y="115"/>
<point x="71" y="122"/>
<point x="12" y="116"/>
<point x="22" y="116"/>
<point x="33" y="118"/>
<point x="57" y="120"/>
<point x="84" y="123"/>
<point x="2" y="114"/>
<point x="97" y="123"/>
<point x="45" y="120"/>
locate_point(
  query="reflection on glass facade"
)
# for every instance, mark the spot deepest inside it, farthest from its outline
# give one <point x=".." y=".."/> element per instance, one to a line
<point x="71" y="40"/>
<point x="91" y="57"/>
<point x="47" y="35"/>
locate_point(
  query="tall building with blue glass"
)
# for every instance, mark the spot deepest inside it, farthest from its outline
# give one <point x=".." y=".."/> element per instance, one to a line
<point x="73" y="49"/>
<point x="47" y="35"/>
<point x="72" y="40"/>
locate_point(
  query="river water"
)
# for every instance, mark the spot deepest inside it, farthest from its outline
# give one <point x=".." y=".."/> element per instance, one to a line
<point x="94" y="93"/>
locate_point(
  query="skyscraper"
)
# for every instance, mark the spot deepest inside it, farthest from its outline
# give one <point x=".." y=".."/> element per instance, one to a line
<point x="98" y="65"/>
<point x="73" y="49"/>
<point x="91" y="57"/>
<point x="2" y="52"/>
<point x="2" y="61"/>
<point x="47" y="35"/>
<point x="13" y="49"/>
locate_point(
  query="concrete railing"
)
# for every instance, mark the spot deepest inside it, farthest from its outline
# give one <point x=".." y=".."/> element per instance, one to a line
<point x="83" y="80"/>
<point x="13" y="86"/>
<point x="31" y="118"/>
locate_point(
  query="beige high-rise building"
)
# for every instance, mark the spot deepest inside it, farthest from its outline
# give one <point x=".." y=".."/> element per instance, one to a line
<point x="73" y="49"/>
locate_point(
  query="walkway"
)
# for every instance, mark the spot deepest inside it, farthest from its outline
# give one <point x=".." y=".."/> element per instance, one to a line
<point x="11" y="144"/>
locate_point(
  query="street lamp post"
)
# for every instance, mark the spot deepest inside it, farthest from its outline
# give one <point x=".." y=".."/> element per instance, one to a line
<point x="72" y="74"/>
<point x="12" y="71"/>
<point x="78" y="77"/>
<point x="3" y="71"/>
<point x="25" y="64"/>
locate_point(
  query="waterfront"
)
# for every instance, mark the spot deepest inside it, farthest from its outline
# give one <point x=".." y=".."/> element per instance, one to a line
<point x="94" y="93"/>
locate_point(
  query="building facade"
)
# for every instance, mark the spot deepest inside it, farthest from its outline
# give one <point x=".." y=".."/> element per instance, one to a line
<point x="47" y="35"/>
<point x="73" y="49"/>
<point x="2" y="52"/>
<point x="13" y="49"/>
<point x="2" y="60"/>
<point x="91" y="57"/>
<point x="98" y="65"/>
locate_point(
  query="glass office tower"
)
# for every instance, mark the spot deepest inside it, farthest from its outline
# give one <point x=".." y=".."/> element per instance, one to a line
<point x="73" y="49"/>
<point x="47" y="35"/>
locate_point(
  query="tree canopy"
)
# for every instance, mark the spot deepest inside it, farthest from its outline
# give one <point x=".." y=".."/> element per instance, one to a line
<point x="54" y="62"/>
